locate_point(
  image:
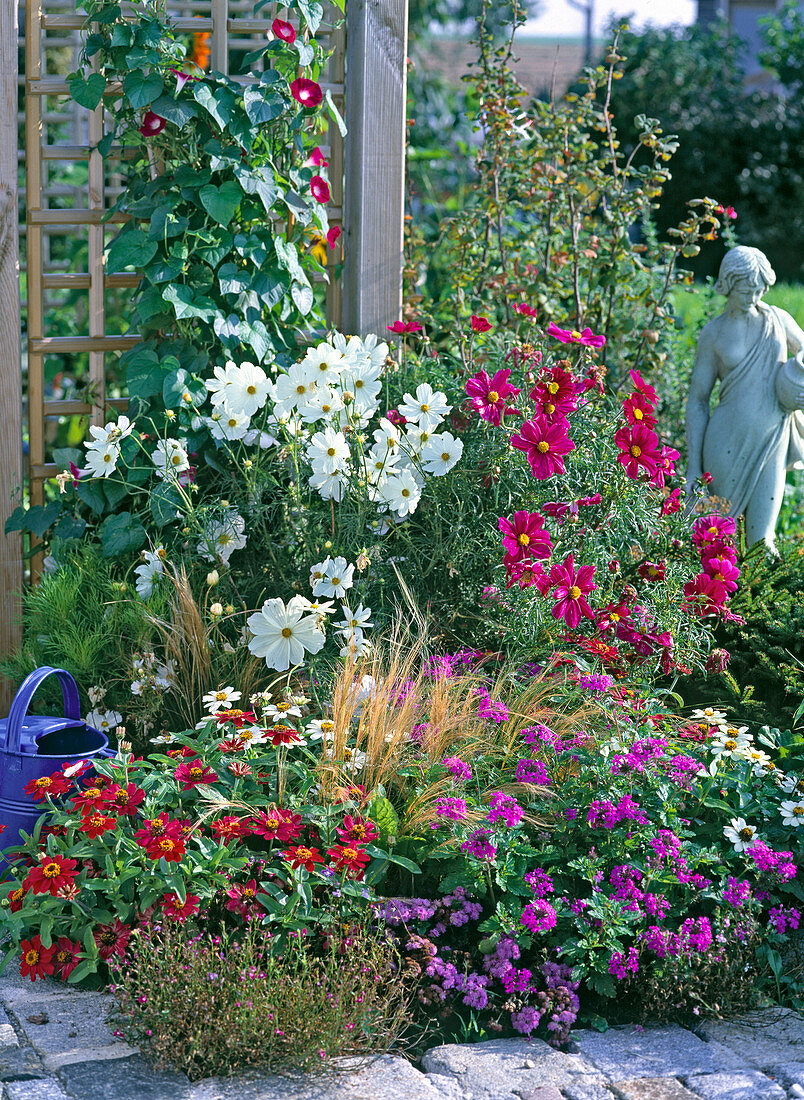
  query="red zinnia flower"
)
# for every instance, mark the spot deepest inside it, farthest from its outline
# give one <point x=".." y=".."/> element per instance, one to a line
<point x="230" y="828"/>
<point x="357" y="829"/>
<point x="123" y="800"/>
<point x="50" y="874"/>
<point x="95" y="824"/>
<point x="170" y="848"/>
<point x="91" y="798"/>
<point x="282" y="735"/>
<point x="638" y="448"/>
<point x="66" y="957"/>
<point x="306" y="92"/>
<point x="45" y="785"/>
<point x="524" y="536"/>
<point x="332" y="235"/>
<point x="652" y="571"/>
<point x="15" y="899"/>
<point x="176" y="909"/>
<point x="349" y="860"/>
<point x="641" y="386"/>
<point x="152" y="124"/>
<point x="490" y="395"/>
<point x="713" y="528"/>
<point x="480" y="324"/>
<point x="36" y="961"/>
<point x="303" y="857"/>
<point x="638" y="410"/>
<point x="402" y="328"/>
<point x="240" y="769"/>
<point x="319" y="189"/>
<point x="545" y="444"/>
<point x="572" y="336"/>
<point x="242" y="897"/>
<point x="191" y="774"/>
<point x="276" y="824"/>
<point x="571" y="588"/>
<point x="112" y="938"/>
<point x="238" y="718"/>
<point x="283" y="30"/>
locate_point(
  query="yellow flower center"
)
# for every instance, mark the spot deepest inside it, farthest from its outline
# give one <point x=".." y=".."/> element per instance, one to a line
<point x="798" y="810"/>
<point x="301" y="389"/>
<point x="746" y="834"/>
<point x="286" y="632"/>
<point x="406" y="492"/>
<point x="445" y="456"/>
<point x="730" y="745"/>
<point x="251" y="390"/>
<point x="524" y="539"/>
<point x="575" y="334"/>
<point x="574" y="592"/>
<point x="51" y="870"/>
<point x="543" y="446"/>
<point x="331" y="451"/>
<point x="638" y="414"/>
<point x="31" y="957"/>
<point x="494" y="397"/>
<point x="636" y="451"/>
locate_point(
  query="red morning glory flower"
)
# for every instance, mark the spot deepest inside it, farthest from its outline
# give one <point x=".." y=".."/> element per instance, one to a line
<point x="571" y="588"/>
<point x="573" y="336"/>
<point x="332" y="235"/>
<point x="319" y="189"/>
<point x="490" y="395"/>
<point x="306" y="92"/>
<point x="524" y="536"/>
<point x="152" y="124"/>
<point x="545" y="445"/>
<point x="638" y="449"/>
<point x="317" y="158"/>
<point x="285" y="31"/>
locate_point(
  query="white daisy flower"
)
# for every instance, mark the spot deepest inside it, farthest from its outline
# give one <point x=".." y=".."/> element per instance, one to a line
<point x="740" y="833"/>
<point x="279" y="711"/>
<point x="221" y="699"/>
<point x="710" y="715"/>
<point x="170" y="459"/>
<point x="441" y="453"/>
<point x="251" y="735"/>
<point x="222" y="537"/>
<point x="247" y="389"/>
<point x="356" y="645"/>
<point x="321" y="729"/>
<point x="427" y="408"/>
<point x="359" y="619"/>
<point x="328" y="486"/>
<point x="104" y="720"/>
<point x="364" y="383"/>
<point x="415" y="440"/>
<point x="378" y="463"/>
<point x="788" y="783"/>
<point x="758" y="758"/>
<point x="402" y="493"/>
<point x="226" y="424"/>
<point x="328" y="452"/>
<point x="282" y="634"/>
<point x="792" y="812"/>
<point x="338" y="578"/>
<point x="730" y="742"/>
<point x="101" y="459"/>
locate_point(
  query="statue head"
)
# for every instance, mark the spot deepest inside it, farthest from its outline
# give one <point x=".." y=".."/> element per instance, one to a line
<point x="747" y="264"/>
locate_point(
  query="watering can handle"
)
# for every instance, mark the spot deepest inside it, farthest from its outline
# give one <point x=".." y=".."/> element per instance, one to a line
<point x="22" y="700"/>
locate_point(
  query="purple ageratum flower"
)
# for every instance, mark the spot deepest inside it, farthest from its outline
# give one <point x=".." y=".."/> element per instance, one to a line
<point x="538" y="916"/>
<point x="526" y="1020"/>
<point x="532" y="771"/>
<point x="479" y="846"/>
<point x="457" y="767"/>
<point x="540" y="882"/>
<point x="505" y="808"/>
<point x="452" y="809"/>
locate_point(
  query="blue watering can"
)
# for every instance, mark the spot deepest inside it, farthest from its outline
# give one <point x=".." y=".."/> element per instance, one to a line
<point x="32" y="746"/>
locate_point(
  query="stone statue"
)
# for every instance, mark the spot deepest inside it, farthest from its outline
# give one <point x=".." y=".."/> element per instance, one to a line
<point x="756" y="431"/>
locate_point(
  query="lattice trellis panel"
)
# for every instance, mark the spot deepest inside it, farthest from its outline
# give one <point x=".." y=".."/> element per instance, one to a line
<point x="72" y="357"/>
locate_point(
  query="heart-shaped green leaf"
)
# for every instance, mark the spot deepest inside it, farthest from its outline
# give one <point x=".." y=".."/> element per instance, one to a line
<point x="141" y="88"/>
<point x="221" y="202"/>
<point x="88" y="92"/>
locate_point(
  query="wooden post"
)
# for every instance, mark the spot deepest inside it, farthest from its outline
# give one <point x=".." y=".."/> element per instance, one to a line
<point x="10" y="363"/>
<point x="376" y="72"/>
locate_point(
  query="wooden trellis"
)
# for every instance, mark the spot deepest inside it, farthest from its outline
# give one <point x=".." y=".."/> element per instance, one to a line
<point x="367" y="80"/>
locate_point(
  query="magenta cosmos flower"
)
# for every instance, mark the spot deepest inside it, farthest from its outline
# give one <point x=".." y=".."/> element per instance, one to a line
<point x="490" y="395"/>
<point x="480" y="324"/>
<point x="638" y="410"/>
<point x="571" y="588"/>
<point x="402" y="328"/>
<point x="639" y="447"/>
<point x="525" y="537"/>
<point x="283" y="30"/>
<point x="572" y="336"/>
<point x="704" y="595"/>
<point x="724" y="572"/>
<point x="713" y="528"/>
<point x="306" y="92"/>
<point x="545" y="444"/>
<point x="641" y="386"/>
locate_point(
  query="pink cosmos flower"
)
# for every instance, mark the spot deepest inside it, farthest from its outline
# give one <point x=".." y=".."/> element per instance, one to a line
<point x="570" y="589"/>
<point x="558" y="387"/>
<point x="152" y="124"/>
<point x="723" y="571"/>
<point x="672" y="503"/>
<point x="316" y="158"/>
<point x="648" y="392"/>
<point x="527" y="574"/>
<point x="560" y="511"/>
<point x="638" y="448"/>
<point x="480" y="324"/>
<point x="306" y="92"/>
<point x="652" y="571"/>
<point x="526" y="310"/>
<point x="713" y="528"/>
<point x="665" y="466"/>
<point x="332" y="235"/>
<point x="319" y="189"/>
<point x="402" y="328"/>
<point x="638" y="410"/>
<point x="716" y="552"/>
<point x="545" y="444"/>
<point x="704" y="595"/>
<point x="490" y="395"/>
<point x="283" y="30"/>
<point x="572" y="336"/>
<point x="524" y="536"/>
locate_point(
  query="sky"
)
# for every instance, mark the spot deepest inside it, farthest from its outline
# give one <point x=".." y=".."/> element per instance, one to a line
<point x="560" y="18"/>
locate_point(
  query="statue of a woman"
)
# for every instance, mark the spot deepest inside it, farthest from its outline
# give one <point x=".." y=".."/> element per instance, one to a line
<point x="750" y="439"/>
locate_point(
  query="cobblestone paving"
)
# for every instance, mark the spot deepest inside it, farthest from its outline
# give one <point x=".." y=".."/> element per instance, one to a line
<point x="55" y="1044"/>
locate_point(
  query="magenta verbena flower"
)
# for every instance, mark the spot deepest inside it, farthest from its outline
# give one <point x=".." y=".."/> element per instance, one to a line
<point x="538" y="916"/>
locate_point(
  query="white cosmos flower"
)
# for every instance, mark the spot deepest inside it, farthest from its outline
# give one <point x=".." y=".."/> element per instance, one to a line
<point x="386" y="436"/>
<point x="740" y="833"/>
<point x="324" y="404"/>
<point x="263" y="440"/>
<point x="321" y="729"/>
<point x="319" y="607"/>
<point x="105" y="720"/>
<point x="221" y="699"/>
<point x="379" y="462"/>
<point x="356" y="645"/>
<point x="293" y="389"/>
<point x="148" y="571"/>
<point x="282" y="634"/>
<point x="219" y="383"/>
<point x="247" y="389"/>
<point x="401" y="493"/>
<point x="359" y="619"/>
<point x="441" y="453"/>
<point x="112" y="432"/>
<point x="329" y="486"/>
<point x="222" y="537"/>
<point x="427" y="408"/>
<point x="730" y="742"/>
<point x="170" y="459"/>
<point x="365" y="383"/>
<point x="415" y="440"/>
<point x="338" y="578"/>
<point x="792" y="812"/>
<point x="323" y="363"/>
<point x="328" y="452"/>
<point x="317" y="572"/>
<point x="225" y="423"/>
<point x="101" y="459"/>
